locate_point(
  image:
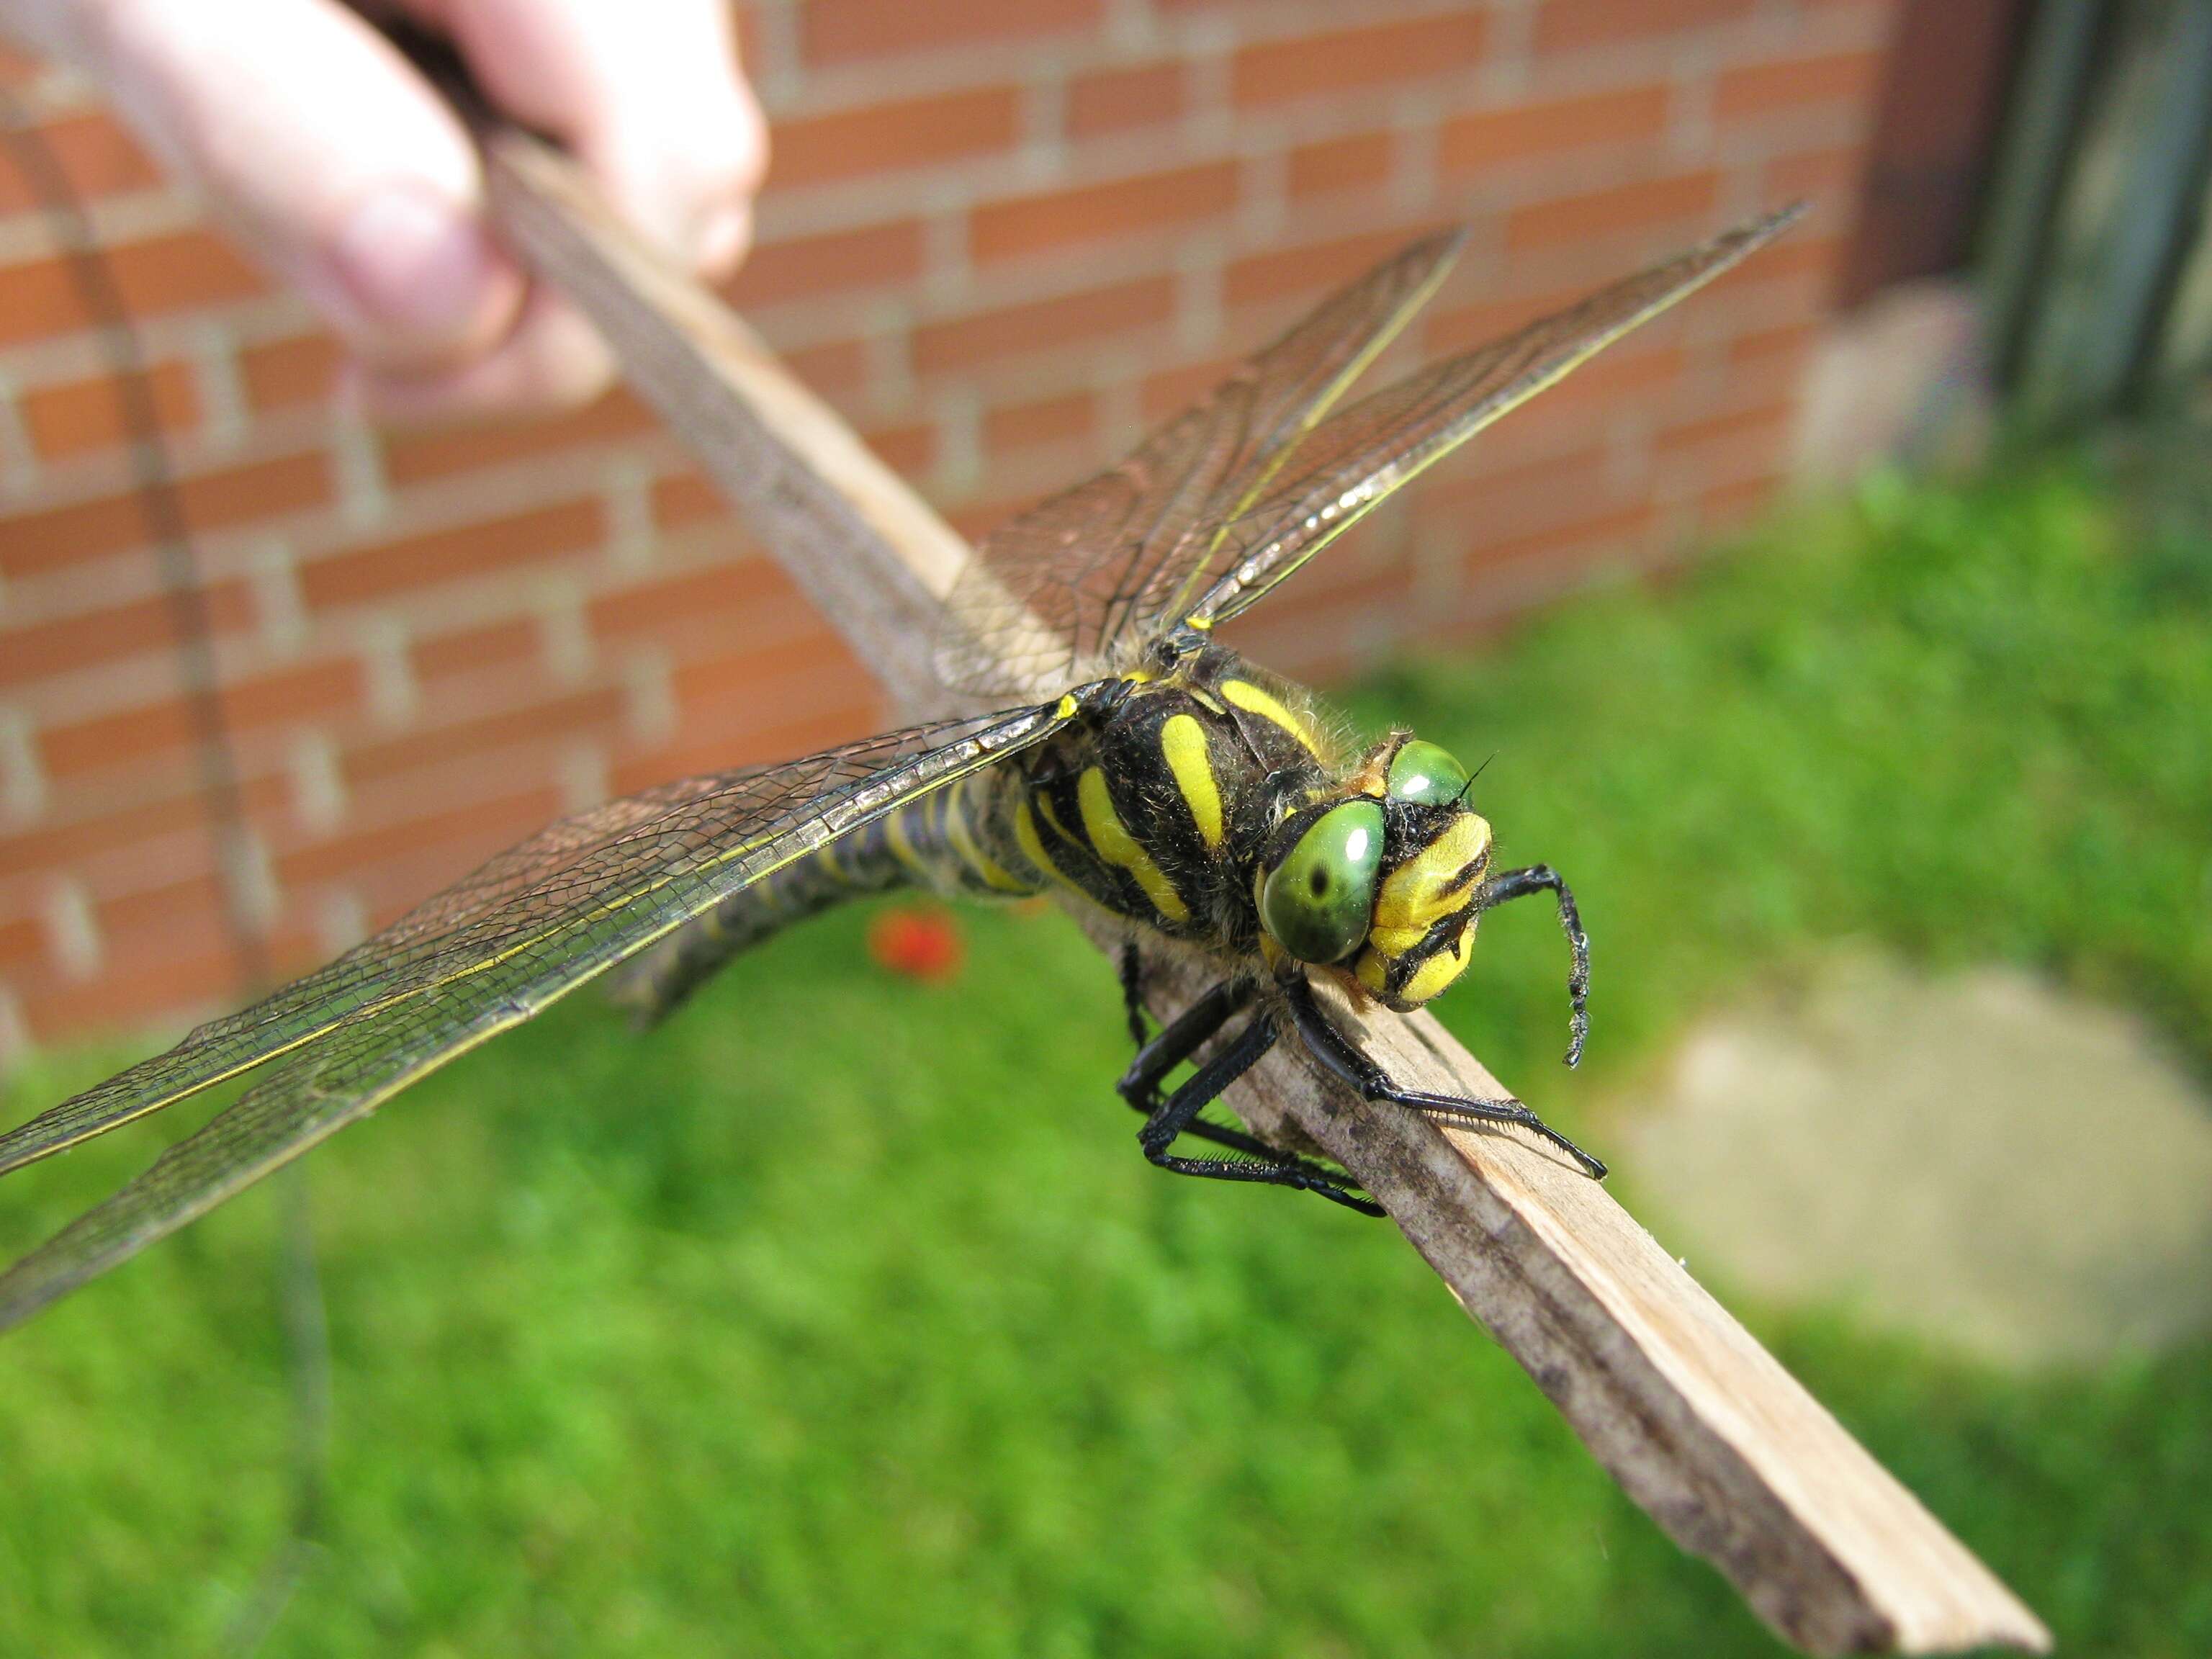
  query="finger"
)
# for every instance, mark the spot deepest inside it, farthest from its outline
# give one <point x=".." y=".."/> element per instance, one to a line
<point x="649" y="98"/>
<point x="331" y="157"/>
<point x="553" y="359"/>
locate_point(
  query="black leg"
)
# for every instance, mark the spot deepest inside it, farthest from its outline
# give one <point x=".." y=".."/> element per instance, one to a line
<point x="1132" y="990"/>
<point x="1337" y="1052"/>
<point x="1192" y="1028"/>
<point x="1178" y="1041"/>
<point x="1538" y="878"/>
<point x="1177" y="1114"/>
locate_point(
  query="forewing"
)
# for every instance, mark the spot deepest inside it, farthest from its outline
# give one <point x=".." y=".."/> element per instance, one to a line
<point x="1356" y="458"/>
<point x="1049" y="594"/>
<point x="430" y="939"/>
<point x="523" y="932"/>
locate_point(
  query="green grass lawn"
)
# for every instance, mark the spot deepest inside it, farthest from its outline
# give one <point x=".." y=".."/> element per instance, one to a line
<point x="842" y="1315"/>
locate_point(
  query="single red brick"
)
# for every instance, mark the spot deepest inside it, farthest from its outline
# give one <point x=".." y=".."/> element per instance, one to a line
<point x="310" y="691"/>
<point x="837" y="369"/>
<point x="709" y="596"/>
<point x="462" y="835"/>
<point x="801" y="667"/>
<point x="1171" y="391"/>
<point x="1488" y="139"/>
<point x="1307" y="65"/>
<point x="1043" y="325"/>
<point x="891" y="137"/>
<point x="805" y="731"/>
<point x="1361" y="161"/>
<point x="1052" y="420"/>
<point x="1115" y="211"/>
<point x="95" y="154"/>
<point x="72" y="643"/>
<point x="86" y="414"/>
<point x="1788" y="343"/>
<point x="37" y="299"/>
<point x="191" y="908"/>
<point x="593" y="713"/>
<point x="1729" y="504"/>
<point x="908" y="450"/>
<point x="686" y="499"/>
<point x="1717" y="436"/>
<point x="1726" y="445"/>
<point x="840" y="31"/>
<point x="1575" y="25"/>
<point x="1506" y="499"/>
<point x="508" y="647"/>
<point x="412" y="458"/>
<point x="182" y="272"/>
<point x="1752" y="90"/>
<point x="1770" y="365"/>
<point x="1800" y="253"/>
<point x="282" y="373"/>
<point x="1620" y="209"/>
<point x="774" y="620"/>
<point x="1118" y="99"/>
<point x="71" y="833"/>
<point x="144" y="981"/>
<point x="418" y="862"/>
<point x="1626" y="526"/>
<point x="23" y="944"/>
<point x="36" y="543"/>
<point x="1263" y="278"/>
<point x="1831" y="178"/>
<point x="974" y="520"/>
<point x="366" y="573"/>
<point x="874" y="256"/>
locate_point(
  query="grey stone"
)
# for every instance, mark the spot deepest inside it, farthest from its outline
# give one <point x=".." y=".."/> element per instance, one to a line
<point x="1979" y="1158"/>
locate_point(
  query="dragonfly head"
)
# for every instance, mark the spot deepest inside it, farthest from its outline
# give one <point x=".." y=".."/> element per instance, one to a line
<point x="1382" y="878"/>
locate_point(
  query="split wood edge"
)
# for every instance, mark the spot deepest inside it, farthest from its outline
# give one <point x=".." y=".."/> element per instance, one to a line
<point x="1699" y="1425"/>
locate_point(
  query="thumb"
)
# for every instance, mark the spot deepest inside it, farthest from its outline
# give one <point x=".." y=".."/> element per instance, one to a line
<point x="325" y="151"/>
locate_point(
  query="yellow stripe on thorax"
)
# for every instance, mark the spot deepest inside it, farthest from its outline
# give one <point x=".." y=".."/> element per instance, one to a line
<point x="1032" y="843"/>
<point x="1183" y="744"/>
<point x="1113" y="843"/>
<point x="1250" y="698"/>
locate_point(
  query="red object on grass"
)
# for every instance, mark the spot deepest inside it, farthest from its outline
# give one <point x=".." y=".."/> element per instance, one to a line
<point x="916" y="943"/>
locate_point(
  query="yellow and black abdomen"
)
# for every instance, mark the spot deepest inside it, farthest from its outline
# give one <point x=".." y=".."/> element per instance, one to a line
<point x="952" y="841"/>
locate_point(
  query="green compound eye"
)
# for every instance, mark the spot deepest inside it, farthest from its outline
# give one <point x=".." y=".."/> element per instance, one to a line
<point x="1423" y="773"/>
<point x="1317" y="901"/>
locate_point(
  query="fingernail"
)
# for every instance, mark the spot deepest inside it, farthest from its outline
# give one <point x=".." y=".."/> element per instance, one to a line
<point x="416" y="269"/>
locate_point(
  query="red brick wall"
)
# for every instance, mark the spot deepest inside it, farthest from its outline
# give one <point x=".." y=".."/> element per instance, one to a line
<point x="1003" y="236"/>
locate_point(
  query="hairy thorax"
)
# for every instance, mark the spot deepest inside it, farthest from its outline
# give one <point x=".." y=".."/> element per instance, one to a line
<point x="1159" y="812"/>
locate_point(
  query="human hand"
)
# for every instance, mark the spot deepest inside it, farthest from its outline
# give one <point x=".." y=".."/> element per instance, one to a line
<point x="349" y="177"/>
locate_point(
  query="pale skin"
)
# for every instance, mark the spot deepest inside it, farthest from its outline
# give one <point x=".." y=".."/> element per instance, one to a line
<point x="324" y="154"/>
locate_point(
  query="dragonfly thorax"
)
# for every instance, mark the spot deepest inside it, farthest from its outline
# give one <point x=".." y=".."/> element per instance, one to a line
<point x="1208" y="802"/>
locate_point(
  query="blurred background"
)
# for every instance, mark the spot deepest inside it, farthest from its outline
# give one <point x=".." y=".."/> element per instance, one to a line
<point x="1846" y="636"/>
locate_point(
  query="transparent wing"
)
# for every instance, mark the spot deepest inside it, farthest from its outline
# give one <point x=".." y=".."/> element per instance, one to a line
<point x="1049" y="595"/>
<point x="1354" y="460"/>
<point x="524" y="931"/>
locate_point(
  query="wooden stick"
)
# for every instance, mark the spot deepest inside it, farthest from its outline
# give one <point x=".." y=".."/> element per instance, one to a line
<point x="1698" y="1423"/>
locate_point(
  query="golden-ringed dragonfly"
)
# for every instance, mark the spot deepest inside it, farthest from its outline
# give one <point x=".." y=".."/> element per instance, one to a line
<point x="1147" y="768"/>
